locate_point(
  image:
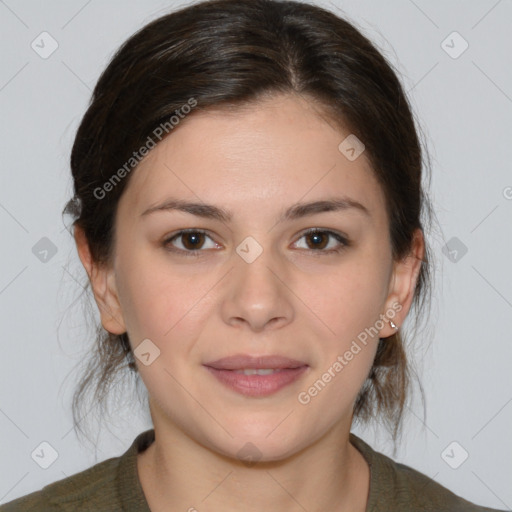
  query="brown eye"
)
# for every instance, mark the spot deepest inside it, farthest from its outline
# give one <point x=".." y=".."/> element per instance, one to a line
<point x="193" y="240"/>
<point x="317" y="240"/>
<point x="189" y="242"/>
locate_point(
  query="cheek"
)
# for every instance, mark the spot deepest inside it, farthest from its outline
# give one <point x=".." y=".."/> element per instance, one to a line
<point x="159" y="301"/>
<point x="347" y="299"/>
<point x="348" y="307"/>
<point x="166" y="302"/>
<point x="346" y="304"/>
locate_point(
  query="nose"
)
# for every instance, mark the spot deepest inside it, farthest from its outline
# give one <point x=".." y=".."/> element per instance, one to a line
<point x="258" y="295"/>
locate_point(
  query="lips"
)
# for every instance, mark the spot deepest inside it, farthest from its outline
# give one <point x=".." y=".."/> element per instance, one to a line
<point x="256" y="376"/>
<point x="246" y="362"/>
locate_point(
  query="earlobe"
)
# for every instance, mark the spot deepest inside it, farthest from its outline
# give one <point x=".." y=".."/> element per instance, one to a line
<point x="404" y="280"/>
<point x="103" y="285"/>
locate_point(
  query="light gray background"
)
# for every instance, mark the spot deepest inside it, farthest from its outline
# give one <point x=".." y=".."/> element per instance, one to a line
<point x="464" y="106"/>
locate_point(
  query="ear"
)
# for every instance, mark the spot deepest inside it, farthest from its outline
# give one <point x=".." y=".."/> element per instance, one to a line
<point x="102" y="279"/>
<point x="402" y="285"/>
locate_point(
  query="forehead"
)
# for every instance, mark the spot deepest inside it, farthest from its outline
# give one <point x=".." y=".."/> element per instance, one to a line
<point x="256" y="158"/>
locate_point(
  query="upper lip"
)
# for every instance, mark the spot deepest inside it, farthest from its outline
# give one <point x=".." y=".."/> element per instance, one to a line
<point x="243" y="361"/>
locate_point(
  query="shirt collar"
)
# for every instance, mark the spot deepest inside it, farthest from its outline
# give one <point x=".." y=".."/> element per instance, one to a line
<point x="131" y="494"/>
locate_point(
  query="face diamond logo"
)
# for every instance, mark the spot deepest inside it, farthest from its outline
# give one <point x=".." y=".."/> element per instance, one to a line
<point x="249" y="249"/>
<point x="146" y="352"/>
<point x="249" y="454"/>
<point x="351" y="147"/>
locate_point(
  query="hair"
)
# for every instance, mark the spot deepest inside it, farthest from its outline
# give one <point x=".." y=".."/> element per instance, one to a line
<point x="225" y="54"/>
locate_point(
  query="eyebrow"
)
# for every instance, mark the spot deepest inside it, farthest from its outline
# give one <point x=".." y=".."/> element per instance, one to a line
<point x="295" y="211"/>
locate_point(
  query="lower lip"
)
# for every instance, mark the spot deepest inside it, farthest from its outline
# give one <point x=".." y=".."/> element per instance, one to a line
<point x="258" y="385"/>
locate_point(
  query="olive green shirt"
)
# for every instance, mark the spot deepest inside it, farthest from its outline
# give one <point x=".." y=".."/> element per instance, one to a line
<point x="113" y="485"/>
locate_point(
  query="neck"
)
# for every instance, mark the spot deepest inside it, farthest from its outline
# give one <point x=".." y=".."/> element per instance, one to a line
<point x="178" y="473"/>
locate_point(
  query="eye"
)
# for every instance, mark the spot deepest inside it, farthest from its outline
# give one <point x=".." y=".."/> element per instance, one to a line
<point x="191" y="241"/>
<point x="318" y="239"/>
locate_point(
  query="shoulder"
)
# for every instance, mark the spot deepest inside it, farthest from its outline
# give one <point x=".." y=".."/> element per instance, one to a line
<point x="401" y="488"/>
<point x="411" y="486"/>
<point x="84" y="491"/>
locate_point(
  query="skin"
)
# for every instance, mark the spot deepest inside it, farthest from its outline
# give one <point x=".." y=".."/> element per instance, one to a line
<point x="292" y="300"/>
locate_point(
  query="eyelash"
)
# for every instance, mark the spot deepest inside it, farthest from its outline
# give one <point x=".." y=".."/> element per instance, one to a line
<point x="197" y="252"/>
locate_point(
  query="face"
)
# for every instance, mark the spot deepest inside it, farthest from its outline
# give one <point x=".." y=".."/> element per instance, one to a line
<point x="254" y="282"/>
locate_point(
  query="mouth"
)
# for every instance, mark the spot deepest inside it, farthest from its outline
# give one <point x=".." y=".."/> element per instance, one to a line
<point x="256" y="376"/>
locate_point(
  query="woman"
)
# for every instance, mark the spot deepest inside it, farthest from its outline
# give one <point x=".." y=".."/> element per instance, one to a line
<point x="248" y="201"/>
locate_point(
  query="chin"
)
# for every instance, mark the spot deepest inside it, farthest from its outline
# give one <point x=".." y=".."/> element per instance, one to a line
<point x="266" y="441"/>
<point x="258" y="450"/>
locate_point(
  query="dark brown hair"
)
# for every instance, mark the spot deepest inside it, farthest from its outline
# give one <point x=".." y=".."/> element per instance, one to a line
<point x="224" y="54"/>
